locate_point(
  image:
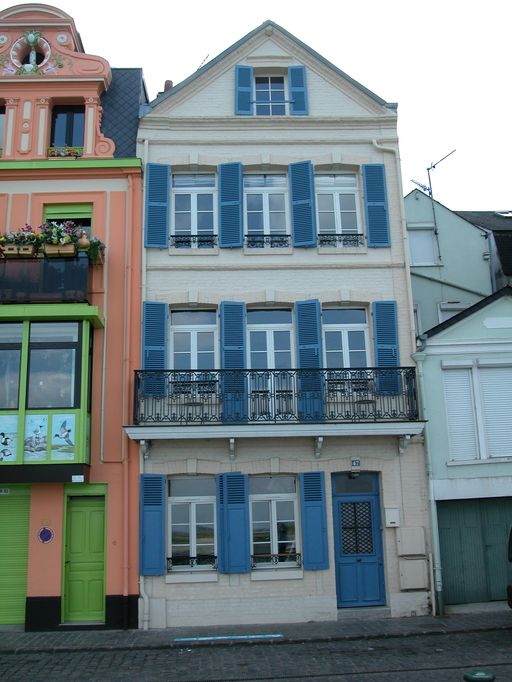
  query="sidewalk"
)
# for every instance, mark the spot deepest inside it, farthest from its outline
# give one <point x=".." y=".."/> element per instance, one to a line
<point x="345" y="629"/>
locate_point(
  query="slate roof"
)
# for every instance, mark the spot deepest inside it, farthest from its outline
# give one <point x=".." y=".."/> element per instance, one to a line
<point x="266" y="24"/>
<point x="505" y="291"/>
<point x="492" y="220"/>
<point x="121" y="104"/>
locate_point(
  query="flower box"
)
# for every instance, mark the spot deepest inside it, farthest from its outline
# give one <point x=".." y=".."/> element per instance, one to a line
<point x="18" y="250"/>
<point x="60" y="249"/>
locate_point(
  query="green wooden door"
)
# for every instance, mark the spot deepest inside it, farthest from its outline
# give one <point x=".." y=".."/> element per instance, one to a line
<point x="473" y="537"/>
<point x="14" y="523"/>
<point x="84" y="569"/>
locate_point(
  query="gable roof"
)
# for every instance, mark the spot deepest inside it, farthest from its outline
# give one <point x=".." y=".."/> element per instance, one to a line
<point x="461" y="214"/>
<point x="506" y="291"/>
<point x="121" y="103"/>
<point x="268" y="24"/>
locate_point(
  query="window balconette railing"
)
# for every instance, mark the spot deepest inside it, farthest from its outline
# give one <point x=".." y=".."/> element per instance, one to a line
<point x="187" y="241"/>
<point x="346" y="240"/>
<point x="191" y="397"/>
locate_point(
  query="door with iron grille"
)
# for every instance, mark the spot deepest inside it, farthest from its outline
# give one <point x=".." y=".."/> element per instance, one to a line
<point x="358" y="541"/>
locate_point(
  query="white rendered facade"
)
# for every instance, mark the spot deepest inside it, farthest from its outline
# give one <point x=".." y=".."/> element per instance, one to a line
<point x="341" y="270"/>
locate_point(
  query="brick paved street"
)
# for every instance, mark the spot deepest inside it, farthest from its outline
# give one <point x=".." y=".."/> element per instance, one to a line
<point x="433" y="657"/>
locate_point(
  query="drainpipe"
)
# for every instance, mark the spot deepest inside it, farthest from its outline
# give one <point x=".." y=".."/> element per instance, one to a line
<point x="143" y="452"/>
<point x="438" y="581"/>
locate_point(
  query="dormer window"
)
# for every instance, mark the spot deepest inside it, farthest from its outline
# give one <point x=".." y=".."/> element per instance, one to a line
<point x="68" y="123"/>
<point x="270" y="92"/>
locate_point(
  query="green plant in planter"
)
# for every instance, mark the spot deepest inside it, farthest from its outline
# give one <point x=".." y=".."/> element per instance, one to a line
<point x="26" y="236"/>
<point x="96" y="251"/>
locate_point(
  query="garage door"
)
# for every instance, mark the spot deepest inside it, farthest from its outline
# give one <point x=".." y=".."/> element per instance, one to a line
<point x="473" y="537"/>
<point x="14" y="520"/>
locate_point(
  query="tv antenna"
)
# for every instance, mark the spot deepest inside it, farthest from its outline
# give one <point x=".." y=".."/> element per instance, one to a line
<point x="201" y="64"/>
<point x="428" y="188"/>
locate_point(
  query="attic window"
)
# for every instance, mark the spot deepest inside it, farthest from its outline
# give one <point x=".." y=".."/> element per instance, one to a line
<point x="270" y="92"/>
<point x="270" y="96"/>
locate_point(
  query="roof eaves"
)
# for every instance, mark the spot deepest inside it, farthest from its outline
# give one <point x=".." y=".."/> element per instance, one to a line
<point x="505" y="291"/>
<point x="164" y="95"/>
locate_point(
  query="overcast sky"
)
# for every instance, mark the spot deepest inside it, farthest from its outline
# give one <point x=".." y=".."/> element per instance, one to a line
<point x="446" y="62"/>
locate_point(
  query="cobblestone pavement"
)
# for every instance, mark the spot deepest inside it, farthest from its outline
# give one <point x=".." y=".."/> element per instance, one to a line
<point x="429" y="657"/>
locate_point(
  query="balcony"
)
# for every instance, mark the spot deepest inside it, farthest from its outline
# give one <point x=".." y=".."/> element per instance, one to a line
<point x="295" y="396"/>
<point x="44" y="280"/>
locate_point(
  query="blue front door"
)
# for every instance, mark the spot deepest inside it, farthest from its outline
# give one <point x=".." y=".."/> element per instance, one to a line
<point x="358" y="541"/>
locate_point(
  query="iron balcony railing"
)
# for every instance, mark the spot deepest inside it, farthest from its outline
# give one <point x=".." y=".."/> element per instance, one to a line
<point x="263" y="241"/>
<point x="44" y="280"/>
<point x="340" y="240"/>
<point x="187" y="241"/>
<point x="236" y="396"/>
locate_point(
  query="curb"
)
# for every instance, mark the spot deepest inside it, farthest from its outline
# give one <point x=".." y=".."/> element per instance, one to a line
<point x="246" y="642"/>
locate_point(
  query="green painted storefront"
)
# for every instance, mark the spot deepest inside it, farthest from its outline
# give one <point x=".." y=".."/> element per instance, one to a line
<point x="14" y="524"/>
<point x="473" y="538"/>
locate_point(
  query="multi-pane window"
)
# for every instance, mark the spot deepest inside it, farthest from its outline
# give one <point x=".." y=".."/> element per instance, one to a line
<point x="345" y="337"/>
<point x="266" y="210"/>
<point x="193" y="339"/>
<point x="193" y="211"/>
<point x="191" y="524"/>
<point x="270" y="95"/>
<point x="337" y="202"/>
<point x="54" y="365"/>
<point x="10" y="356"/>
<point x="68" y="124"/>
<point x="270" y="348"/>
<point x="273" y="510"/>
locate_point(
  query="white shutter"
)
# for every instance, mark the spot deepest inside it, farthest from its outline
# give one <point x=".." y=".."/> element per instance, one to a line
<point x="422" y="247"/>
<point x="460" y="414"/>
<point x="496" y="392"/>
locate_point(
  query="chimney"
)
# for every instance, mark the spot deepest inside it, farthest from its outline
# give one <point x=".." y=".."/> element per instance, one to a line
<point x="168" y="85"/>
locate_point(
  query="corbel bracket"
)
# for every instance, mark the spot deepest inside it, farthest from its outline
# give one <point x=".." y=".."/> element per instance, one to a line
<point x="403" y="442"/>
<point x="144" y="448"/>
<point x="232" y="452"/>
<point x="319" y="443"/>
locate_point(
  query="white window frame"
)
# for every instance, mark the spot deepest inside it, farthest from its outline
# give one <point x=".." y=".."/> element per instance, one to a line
<point x="266" y="192"/>
<point x="192" y="501"/>
<point x="473" y="372"/>
<point x="194" y="192"/>
<point x="427" y="228"/>
<point x="345" y="329"/>
<point x="269" y="329"/>
<point x="336" y="191"/>
<point x="286" y="101"/>
<point x="273" y="498"/>
<point x="193" y="330"/>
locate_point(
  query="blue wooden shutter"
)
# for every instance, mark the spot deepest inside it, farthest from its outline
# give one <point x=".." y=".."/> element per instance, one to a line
<point x="243" y="90"/>
<point x="233" y="357"/>
<point x="385" y="332"/>
<point x="298" y="91"/>
<point x="376" y="205"/>
<point x="309" y="350"/>
<point x="156" y="227"/>
<point x="152" y="524"/>
<point x="231" y="205"/>
<point x="233" y="538"/>
<point x="154" y="347"/>
<point x="303" y="203"/>
<point x="315" y="548"/>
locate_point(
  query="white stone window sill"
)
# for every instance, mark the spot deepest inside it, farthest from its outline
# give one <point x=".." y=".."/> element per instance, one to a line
<point x="267" y="251"/>
<point x="341" y="250"/>
<point x="488" y="460"/>
<point x="194" y="252"/>
<point x="192" y="577"/>
<point x="277" y="574"/>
